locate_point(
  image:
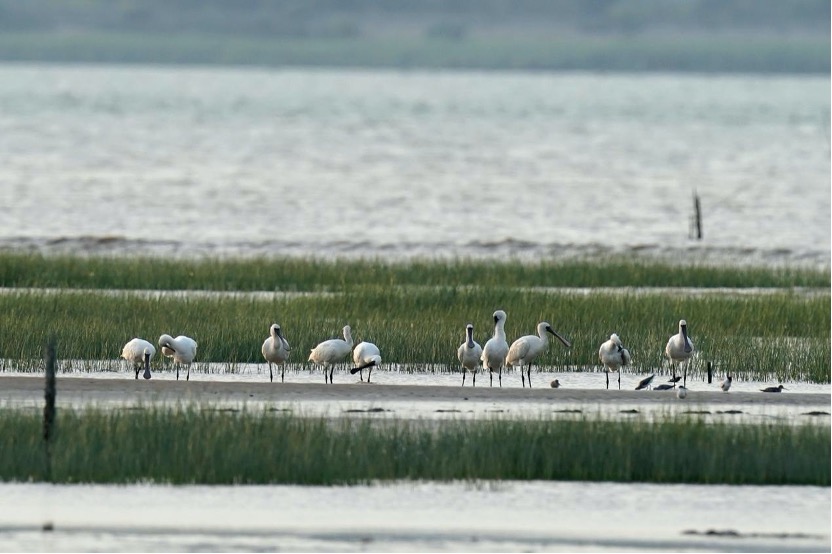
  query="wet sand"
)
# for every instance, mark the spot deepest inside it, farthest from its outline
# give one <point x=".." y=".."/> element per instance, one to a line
<point x="79" y="390"/>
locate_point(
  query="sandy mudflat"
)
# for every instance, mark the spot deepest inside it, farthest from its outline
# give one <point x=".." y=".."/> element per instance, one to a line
<point x="19" y="389"/>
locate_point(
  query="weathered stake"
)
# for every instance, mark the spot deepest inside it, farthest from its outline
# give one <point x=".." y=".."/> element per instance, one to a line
<point x="49" y="406"/>
<point x="710" y="373"/>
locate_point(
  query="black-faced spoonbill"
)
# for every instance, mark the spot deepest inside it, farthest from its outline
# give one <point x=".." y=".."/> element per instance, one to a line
<point x="614" y="356"/>
<point x="646" y="382"/>
<point x="778" y="388"/>
<point x="332" y="351"/>
<point x="679" y="349"/>
<point x="496" y="348"/>
<point x="365" y="355"/>
<point x="526" y="349"/>
<point x="469" y="353"/>
<point x="276" y="350"/>
<point x="726" y="384"/>
<point x="139" y="352"/>
<point x="182" y="349"/>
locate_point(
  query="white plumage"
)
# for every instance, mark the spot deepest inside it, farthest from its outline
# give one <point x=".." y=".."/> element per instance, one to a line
<point x="614" y="356"/>
<point x="526" y="349"/>
<point x="365" y="355"/>
<point x="726" y="384"/>
<point x="330" y="352"/>
<point x="275" y="350"/>
<point x="682" y="391"/>
<point x="469" y="353"/>
<point x="679" y="348"/>
<point x="182" y="349"/>
<point x="139" y="352"/>
<point x="496" y="348"/>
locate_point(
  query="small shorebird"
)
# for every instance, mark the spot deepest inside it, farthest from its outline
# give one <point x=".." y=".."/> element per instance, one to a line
<point x="682" y="392"/>
<point x="726" y="384"/>
<point x="679" y="349"/>
<point x="469" y="353"/>
<point x="613" y="356"/>
<point x="664" y="386"/>
<point x="527" y="348"/>
<point x="365" y="355"/>
<point x="496" y="349"/>
<point x="139" y="352"/>
<point x="330" y="352"/>
<point x="182" y="349"/>
<point x="555" y="384"/>
<point x="275" y="350"/>
<point x="778" y="388"/>
<point x="646" y="382"/>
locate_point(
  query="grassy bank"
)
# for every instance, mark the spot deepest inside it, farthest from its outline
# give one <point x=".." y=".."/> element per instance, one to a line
<point x="778" y="336"/>
<point x="211" y="447"/>
<point x="680" y="52"/>
<point x="298" y="274"/>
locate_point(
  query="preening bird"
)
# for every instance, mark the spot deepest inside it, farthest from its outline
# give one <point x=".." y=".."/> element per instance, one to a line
<point x="365" y="355"/>
<point x="139" y="352"/>
<point x="496" y="348"/>
<point x="614" y="357"/>
<point x="679" y="349"/>
<point x="469" y="353"/>
<point x="331" y="352"/>
<point x="526" y="349"/>
<point x="182" y="349"/>
<point x="275" y="350"/>
<point x="726" y="384"/>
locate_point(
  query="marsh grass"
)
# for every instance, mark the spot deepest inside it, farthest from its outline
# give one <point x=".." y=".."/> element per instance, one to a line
<point x="194" y="445"/>
<point x="298" y="274"/>
<point x="780" y="336"/>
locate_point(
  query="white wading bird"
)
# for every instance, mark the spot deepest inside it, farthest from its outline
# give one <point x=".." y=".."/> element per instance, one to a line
<point x="276" y="350"/>
<point x="332" y="351"/>
<point x="365" y="355"/>
<point x="496" y="349"/>
<point x="182" y="349"/>
<point x="139" y="352"/>
<point x="679" y="349"/>
<point x="614" y="357"/>
<point x="469" y="353"/>
<point x="526" y="349"/>
<point x="726" y="384"/>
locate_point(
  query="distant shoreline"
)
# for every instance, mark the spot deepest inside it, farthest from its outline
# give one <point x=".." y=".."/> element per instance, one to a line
<point x="700" y="53"/>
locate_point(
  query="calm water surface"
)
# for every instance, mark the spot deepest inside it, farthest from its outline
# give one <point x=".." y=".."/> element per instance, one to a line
<point x="186" y="161"/>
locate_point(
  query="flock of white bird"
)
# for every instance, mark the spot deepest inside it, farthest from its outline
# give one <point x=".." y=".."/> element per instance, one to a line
<point x="493" y="357"/>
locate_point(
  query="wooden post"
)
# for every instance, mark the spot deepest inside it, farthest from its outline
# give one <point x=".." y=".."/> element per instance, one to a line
<point x="49" y="406"/>
<point x="710" y="373"/>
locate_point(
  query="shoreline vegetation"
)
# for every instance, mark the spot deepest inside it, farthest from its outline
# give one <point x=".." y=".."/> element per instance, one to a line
<point x="416" y="311"/>
<point x="209" y="446"/>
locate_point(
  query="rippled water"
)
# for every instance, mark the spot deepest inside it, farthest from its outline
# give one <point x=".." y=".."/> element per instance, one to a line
<point x="181" y="161"/>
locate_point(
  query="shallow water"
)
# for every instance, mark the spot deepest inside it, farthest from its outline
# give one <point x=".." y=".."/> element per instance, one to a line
<point x="424" y="516"/>
<point x="249" y="162"/>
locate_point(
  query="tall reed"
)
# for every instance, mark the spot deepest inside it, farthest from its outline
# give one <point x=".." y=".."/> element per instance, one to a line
<point x="192" y="445"/>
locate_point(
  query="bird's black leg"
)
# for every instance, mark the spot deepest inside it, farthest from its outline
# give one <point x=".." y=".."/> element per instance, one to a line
<point x="369" y="373"/>
<point x="188" y="375"/>
<point x="271" y="377"/>
<point x="607" y="371"/>
<point x="685" y="378"/>
<point x="463" y="377"/>
<point x="530" y="375"/>
<point x="177" y="371"/>
<point x="282" y="371"/>
<point x="474" y="378"/>
<point x="501" y="376"/>
<point x="619" y="378"/>
<point x="331" y="371"/>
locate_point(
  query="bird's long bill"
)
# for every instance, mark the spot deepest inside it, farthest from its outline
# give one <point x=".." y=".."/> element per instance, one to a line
<point x="565" y="342"/>
<point x="469" y="331"/>
<point x="685" y="335"/>
<point x="355" y="370"/>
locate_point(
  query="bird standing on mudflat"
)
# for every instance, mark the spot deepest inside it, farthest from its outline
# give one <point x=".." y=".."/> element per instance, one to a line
<point x="275" y="350"/>
<point x="527" y="348"/>
<point x="469" y="353"/>
<point x="614" y="357"/>
<point x="366" y="355"/>
<point x="726" y="384"/>
<point x="496" y="348"/>
<point x="139" y="352"/>
<point x="679" y="349"/>
<point x="182" y="349"/>
<point x="330" y="352"/>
